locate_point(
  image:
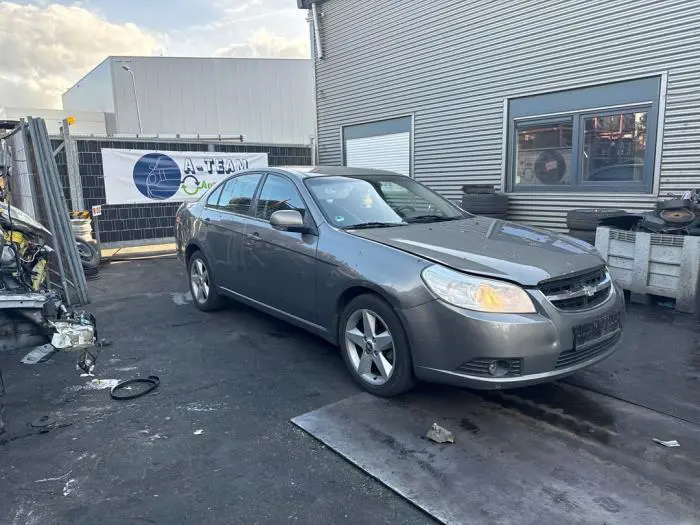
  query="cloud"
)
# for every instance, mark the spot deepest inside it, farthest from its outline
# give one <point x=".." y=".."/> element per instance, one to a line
<point x="263" y="43"/>
<point x="46" y="48"/>
<point x="256" y="28"/>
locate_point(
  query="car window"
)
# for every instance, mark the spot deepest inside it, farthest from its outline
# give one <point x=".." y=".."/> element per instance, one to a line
<point x="237" y="195"/>
<point x="213" y="199"/>
<point x="278" y="193"/>
<point x="374" y="201"/>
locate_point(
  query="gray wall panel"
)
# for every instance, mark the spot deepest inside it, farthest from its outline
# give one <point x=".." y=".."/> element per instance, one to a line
<point x="94" y="92"/>
<point x="452" y="63"/>
<point x="267" y="100"/>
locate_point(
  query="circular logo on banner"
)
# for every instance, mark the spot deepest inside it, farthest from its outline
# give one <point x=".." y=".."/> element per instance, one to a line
<point x="157" y="176"/>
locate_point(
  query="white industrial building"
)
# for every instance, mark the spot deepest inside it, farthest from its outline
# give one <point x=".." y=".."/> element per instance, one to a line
<point x="265" y="100"/>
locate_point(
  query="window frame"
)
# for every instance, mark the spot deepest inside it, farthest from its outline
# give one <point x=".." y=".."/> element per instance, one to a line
<point x="558" y="119"/>
<point x="653" y="105"/>
<point x="402" y="123"/>
<point x="647" y="180"/>
<point x="219" y="188"/>
<point x="253" y="199"/>
<point x="261" y="186"/>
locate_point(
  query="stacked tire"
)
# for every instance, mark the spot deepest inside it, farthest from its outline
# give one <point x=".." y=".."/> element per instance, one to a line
<point x="583" y="223"/>
<point x="484" y="200"/>
<point x="87" y="247"/>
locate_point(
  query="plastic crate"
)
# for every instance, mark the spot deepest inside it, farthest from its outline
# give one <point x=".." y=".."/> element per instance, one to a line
<point x="654" y="264"/>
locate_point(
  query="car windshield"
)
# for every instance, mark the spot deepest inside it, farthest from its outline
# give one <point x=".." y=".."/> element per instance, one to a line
<point x="375" y="201"/>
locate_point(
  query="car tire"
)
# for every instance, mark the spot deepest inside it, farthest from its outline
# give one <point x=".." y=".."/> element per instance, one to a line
<point x="485" y="203"/>
<point x="202" y="287"/>
<point x="88" y="253"/>
<point x="91" y="273"/>
<point x="674" y="204"/>
<point x="589" y="219"/>
<point x="401" y="378"/>
<point x="478" y="188"/>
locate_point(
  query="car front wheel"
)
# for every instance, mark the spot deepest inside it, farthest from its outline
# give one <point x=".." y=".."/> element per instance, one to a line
<point x="375" y="347"/>
<point x="202" y="287"/>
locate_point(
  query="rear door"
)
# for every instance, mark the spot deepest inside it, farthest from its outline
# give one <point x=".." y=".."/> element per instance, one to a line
<point x="280" y="265"/>
<point x="228" y="231"/>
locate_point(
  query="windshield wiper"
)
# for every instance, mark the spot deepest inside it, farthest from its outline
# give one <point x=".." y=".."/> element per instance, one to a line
<point x="431" y="218"/>
<point x="363" y="225"/>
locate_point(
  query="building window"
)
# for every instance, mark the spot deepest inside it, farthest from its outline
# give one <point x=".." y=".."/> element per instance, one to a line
<point x="384" y="144"/>
<point x="592" y="139"/>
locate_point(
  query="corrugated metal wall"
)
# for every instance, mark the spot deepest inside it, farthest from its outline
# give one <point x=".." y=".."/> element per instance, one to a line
<point x="452" y="63"/>
<point x="267" y="100"/>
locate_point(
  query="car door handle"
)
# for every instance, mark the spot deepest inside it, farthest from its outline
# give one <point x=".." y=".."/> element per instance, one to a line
<point x="253" y="236"/>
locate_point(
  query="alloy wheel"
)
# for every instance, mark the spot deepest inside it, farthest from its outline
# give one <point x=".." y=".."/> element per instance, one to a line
<point x="370" y="346"/>
<point x="199" y="279"/>
<point x="83" y="251"/>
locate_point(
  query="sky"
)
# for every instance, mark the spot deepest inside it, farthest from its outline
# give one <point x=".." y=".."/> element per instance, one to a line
<point x="47" y="46"/>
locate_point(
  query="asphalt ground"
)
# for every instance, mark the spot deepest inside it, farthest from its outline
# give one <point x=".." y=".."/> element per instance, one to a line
<point x="214" y="444"/>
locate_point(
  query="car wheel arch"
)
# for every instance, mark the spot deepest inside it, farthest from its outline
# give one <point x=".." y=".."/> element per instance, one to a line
<point x="193" y="248"/>
<point x="355" y="290"/>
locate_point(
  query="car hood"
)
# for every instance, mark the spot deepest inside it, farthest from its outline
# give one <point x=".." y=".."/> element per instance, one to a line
<point x="19" y="220"/>
<point x="491" y="247"/>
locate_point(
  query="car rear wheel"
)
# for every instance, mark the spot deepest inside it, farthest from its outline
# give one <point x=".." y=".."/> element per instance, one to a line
<point x="375" y="347"/>
<point x="202" y="287"/>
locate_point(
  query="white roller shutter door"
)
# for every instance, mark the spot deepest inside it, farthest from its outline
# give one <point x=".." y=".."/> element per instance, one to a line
<point x="390" y="152"/>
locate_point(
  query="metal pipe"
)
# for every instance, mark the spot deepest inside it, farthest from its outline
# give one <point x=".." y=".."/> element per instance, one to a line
<point x="59" y="208"/>
<point x="317" y="31"/>
<point x="136" y="97"/>
<point x="42" y="179"/>
<point x="54" y="194"/>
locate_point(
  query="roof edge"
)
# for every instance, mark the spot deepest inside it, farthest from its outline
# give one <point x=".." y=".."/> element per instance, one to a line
<point x="306" y="4"/>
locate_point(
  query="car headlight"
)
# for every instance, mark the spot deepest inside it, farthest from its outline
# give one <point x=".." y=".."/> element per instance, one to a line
<point x="477" y="293"/>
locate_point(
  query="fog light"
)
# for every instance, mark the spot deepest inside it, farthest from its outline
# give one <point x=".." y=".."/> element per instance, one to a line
<point x="499" y="368"/>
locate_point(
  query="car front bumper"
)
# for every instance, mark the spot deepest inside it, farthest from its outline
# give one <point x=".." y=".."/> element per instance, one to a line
<point x="447" y="341"/>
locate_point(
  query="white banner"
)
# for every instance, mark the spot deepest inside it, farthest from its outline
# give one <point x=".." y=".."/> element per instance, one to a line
<point x="137" y="176"/>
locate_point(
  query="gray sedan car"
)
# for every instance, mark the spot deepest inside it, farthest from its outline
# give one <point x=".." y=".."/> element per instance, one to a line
<point x="409" y="285"/>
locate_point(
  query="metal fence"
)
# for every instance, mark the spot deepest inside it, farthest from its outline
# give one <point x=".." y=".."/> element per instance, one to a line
<point x="35" y="187"/>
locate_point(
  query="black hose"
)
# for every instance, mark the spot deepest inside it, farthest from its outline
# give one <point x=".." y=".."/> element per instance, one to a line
<point x="152" y="381"/>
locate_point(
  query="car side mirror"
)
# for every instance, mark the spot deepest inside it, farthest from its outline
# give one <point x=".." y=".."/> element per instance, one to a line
<point x="289" y="220"/>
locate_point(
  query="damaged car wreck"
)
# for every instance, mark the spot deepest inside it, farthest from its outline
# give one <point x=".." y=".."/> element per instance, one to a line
<point x="26" y="294"/>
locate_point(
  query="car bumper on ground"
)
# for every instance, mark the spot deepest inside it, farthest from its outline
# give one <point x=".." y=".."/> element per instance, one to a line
<point x="493" y="351"/>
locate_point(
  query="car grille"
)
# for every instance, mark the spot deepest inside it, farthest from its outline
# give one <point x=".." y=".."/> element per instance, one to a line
<point x="480" y="367"/>
<point x="573" y="357"/>
<point x="579" y="292"/>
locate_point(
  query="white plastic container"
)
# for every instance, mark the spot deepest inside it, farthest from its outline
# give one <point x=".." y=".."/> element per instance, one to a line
<point x="82" y="228"/>
<point x="651" y="263"/>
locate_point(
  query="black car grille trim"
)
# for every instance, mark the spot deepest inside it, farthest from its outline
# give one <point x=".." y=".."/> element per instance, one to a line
<point x="480" y="366"/>
<point x="573" y="357"/>
<point x="579" y="292"/>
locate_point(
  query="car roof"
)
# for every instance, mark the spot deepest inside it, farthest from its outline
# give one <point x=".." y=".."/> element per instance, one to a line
<point x="304" y="172"/>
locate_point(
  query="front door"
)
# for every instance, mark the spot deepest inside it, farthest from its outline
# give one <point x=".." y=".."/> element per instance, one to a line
<point x="234" y="207"/>
<point x="279" y="265"/>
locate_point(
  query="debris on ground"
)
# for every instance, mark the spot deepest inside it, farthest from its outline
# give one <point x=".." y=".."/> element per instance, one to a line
<point x="440" y="435"/>
<point x="72" y="336"/>
<point x="672" y="443"/>
<point x="95" y="384"/>
<point x="198" y="432"/>
<point x="86" y="362"/>
<point x="150" y="383"/>
<point x="44" y="422"/>
<point x="39" y="354"/>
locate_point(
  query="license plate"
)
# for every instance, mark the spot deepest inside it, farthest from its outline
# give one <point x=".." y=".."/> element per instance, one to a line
<point x="595" y="330"/>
